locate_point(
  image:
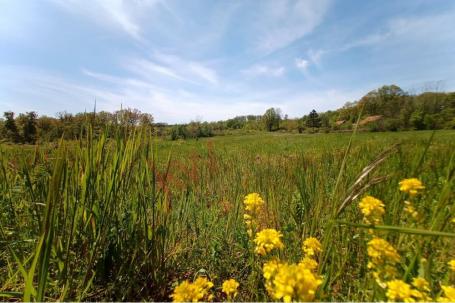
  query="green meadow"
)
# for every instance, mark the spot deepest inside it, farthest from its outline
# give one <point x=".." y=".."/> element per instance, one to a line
<point x="130" y="218"/>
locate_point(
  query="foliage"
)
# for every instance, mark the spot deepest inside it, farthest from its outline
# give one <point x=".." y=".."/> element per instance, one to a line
<point x="271" y="119"/>
<point x="10" y="130"/>
<point x="128" y="218"/>
<point x="28" y="125"/>
<point x="387" y="108"/>
<point x="313" y="120"/>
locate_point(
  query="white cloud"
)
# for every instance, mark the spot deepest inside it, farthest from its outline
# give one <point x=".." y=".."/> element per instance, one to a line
<point x="283" y="22"/>
<point x="149" y="69"/>
<point x="117" y="14"/>
<point x="425" y="31"/>
<point x="188" y="69"/>
<point x="203" y="72"/>
<point x="162" y="66"/>
<point x="423" y="28"/>
<point x="315" y="55"/>
<point x="302" y="64"/>
<point x="264" y="70"/>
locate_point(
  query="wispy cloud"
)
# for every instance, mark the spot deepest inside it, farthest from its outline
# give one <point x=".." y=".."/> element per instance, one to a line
<point x="264" y="70"/>
<point x="189" y="69"/>
<point x="202" y="72"/>
<point x="283" y="22"/>
<point x="302" y="64"/>
<point x="172" y="66"/>
<point x="116" y="14"/>
<point x="149" y="69"/>
<point x="407" y="31"/>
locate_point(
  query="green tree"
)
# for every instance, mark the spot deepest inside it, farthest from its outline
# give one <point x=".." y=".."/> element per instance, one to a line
<point x="271" y="119"/>
<point x="29" y="128"/>
<point x="10" y="127"/>
<point x="313" y="121"/>
<point x="48" y="129"/>
<point x="179" y="132"/>
<point x="417" y="120"/>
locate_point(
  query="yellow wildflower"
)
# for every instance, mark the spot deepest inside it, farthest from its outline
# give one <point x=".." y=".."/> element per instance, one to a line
<point x="269" y="269"/>
<point x="230" y="288"/>
<point x="254" y="208"/>
<point x="372" y="209"/>
<point x="253" y="202"/>
<point x="382" y="260"/>
<point x="309" y="263"/>
<point x="382" y="273"/>
<point x="449" y="294"/>
<point x="248" y="221"/>
<point x="398" y="290"/>
<point x="267" y="240"/>
<point x="421" y="284"/>
<point x="294" y="282"/>
<point x="451" y="264"/>
<point x="380" y="251"/>
<point x="424" y="289"/>
<point x="197" y="291"/>
<point x="183" y="292"/>
<point x="411" y="186"/>
<point x="409" y="208"/>
<point x="311" y="246"/>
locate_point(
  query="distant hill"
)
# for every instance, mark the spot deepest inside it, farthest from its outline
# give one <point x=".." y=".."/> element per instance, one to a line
<point x="390" y="108"/>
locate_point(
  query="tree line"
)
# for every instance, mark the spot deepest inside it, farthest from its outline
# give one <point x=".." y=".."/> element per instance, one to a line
<point x="387" y="108"/>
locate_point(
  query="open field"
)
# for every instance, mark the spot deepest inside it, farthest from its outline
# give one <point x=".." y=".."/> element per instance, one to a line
<point x="129" y="219"/>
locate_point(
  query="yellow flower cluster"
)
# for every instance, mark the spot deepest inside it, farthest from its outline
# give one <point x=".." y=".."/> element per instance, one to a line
<point x="283" y="281"/>
<point x="197" y="291"/>
<point x="421" y="284"/>
<point x="411" y="186"/>
<point x="269" y="269"/>
<point x="380" y="251"/>
<point x="383" y="257"/>
<point x="451" y="264"/>
<point x="290" y="282"/>
<point x="400" y="291"/>
<point x="410" y="209"/>
<point x="253" y="202"/>
<point x="449" y="291"/>
<point x="294" y="282"/>
<point x="230" y="288"/>
<point x="254" y="205"/>
<point x="267" y="240"/>
<point x="449" y="294"/>
<point x="372" y="209"/>
<point x="311" y="246"/>
<point x="309" y="263"/>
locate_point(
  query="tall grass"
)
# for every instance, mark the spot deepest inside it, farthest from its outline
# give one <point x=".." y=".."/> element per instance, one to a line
<point x="126" y="219"/>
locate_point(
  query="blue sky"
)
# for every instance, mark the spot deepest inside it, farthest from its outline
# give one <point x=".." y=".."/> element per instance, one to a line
<point x="210" y="60"/>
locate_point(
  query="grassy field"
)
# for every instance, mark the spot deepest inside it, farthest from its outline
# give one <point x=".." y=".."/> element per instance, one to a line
<point x="131" y="218"/>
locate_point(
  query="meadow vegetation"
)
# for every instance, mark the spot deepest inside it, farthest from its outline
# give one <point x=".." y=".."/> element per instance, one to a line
<point x="125" y="215"/>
